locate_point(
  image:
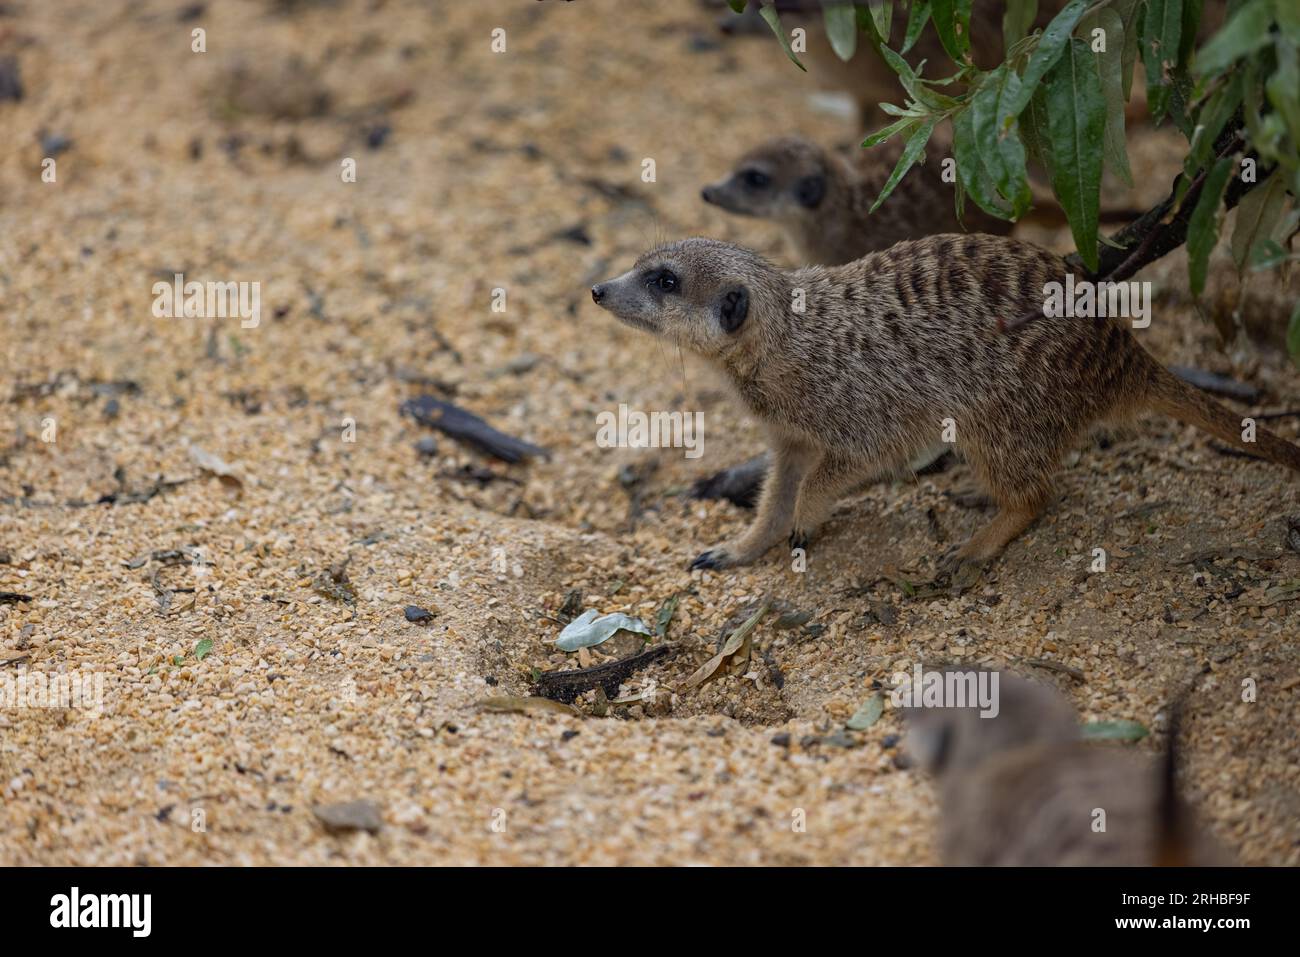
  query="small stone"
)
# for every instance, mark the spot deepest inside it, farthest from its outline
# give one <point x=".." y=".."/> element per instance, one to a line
<point x="11" y="84"/>
<point x="52" y="144"/>
<point x="418" y="615"/>
<point x="349" y="816"/>
<point x="842" y="739"/>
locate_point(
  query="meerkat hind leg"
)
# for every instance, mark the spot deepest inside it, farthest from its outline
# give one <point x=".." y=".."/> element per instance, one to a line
<point x="1019" y="479"/>
<point x="831" y="480"/>
<point x="962" y="567"/>
<point x="1007" y="524"/>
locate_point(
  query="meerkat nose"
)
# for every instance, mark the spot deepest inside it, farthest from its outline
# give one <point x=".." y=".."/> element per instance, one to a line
<point x="706" y="194"/>
<point x="597" y="293"/>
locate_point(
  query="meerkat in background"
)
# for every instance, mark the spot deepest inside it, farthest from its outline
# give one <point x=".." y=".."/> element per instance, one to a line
<point x="1024" y="789"/>
<point x="822" y="199"/>
<point x="854" y="369"/>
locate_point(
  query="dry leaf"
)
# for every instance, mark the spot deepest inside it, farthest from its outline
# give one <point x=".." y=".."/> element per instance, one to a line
<point x="213" y="465"/>
<point x="868" y="714"/>
<point x="738" y="642"/>
<point x="509" y="704"/>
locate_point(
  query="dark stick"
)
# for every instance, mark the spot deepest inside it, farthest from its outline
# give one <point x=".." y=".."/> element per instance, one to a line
<point x="565" y="686"/>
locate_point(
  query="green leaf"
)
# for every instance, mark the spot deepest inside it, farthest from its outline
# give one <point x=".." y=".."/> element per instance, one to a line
<point x="917" y="17"/>
<point x="1161" y="32"/>
<point x="952" y="23"/>
<point x="1130" y="14"/>
<point x="997" y="137"/>
<point x="911" y="110"/>
<point x="1035" y="130"/>
<point x="1258" y="215"/>
<point x="1050" y="47"/>
<point x="1293" y="336"/>
<point x="914" y="85"/>
<point x="868" y="714"/>
<point x="774" y="21"/>
<point x="1114" y="731"/>
<point x="1191" y="24"/>
<point x="841" y="27"/>
<point x="665" y="615"/>
<point x="1269" y="254"/>
<point x="882" y="14"/>
<point x="1242" y="35"/>
<point x="737" y="5"/>
<point x="1109" y="63"/>
<point x="1077" y="123"/>
<point x="1288" y="20"/>
<point x="883" y="134"/>
<point x="911" y="152"/>
<point x="1017" y="20"/>
<point x="1181" y="91"/>
<point x="590" y="629"/>
<point x="1214" y="116"/>
<point x="1203" y="227"/>
<point x="971" y="171"/>
<point x="1284" y="87"/>
<point x="202" y="649"/>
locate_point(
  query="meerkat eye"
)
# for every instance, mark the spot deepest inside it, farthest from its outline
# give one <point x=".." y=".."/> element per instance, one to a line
<point x="755" y="178"/>
<point x="663" y="280"/>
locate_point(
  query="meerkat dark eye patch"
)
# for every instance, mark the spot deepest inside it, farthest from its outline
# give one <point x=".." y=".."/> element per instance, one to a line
<point x="733" y="307"/>
<point x="663" y="280"/>
<point x="755" y="178"/>
<point x="810" y="190"/>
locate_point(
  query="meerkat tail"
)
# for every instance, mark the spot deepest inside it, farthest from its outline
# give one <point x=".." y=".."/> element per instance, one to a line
<point x="1174" y="397"/>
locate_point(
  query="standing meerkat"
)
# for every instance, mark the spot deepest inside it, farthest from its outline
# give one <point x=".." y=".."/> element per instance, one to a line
<point x="822" y="199"/>
<point x="855" y="369"/>
<point x="1023" y="788"/>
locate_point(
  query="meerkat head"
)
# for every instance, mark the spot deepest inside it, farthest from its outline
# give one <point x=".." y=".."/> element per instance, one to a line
<point x="699" y="293"/>
<point x="945" y="739"/>
<point x="787" y="178"/>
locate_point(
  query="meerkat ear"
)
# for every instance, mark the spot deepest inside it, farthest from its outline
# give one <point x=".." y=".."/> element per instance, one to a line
<point x="733" y="307"/>
<point x="811" y="190"/>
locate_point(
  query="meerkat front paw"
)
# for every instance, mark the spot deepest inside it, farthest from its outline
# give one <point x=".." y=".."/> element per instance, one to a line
<point x="799" y="538"/>
<point x="715" y="558"/>
<point x="727" y="555"/>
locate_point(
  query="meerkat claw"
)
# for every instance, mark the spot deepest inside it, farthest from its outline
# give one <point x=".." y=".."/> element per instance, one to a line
<point x="948" y="562"/>
<point x="958" y="571"/>
<point x="709" y="559"/>
<point x="798" y="539"/>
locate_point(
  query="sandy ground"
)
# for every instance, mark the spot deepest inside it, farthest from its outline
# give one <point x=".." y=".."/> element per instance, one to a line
<point x="231" y="710"/>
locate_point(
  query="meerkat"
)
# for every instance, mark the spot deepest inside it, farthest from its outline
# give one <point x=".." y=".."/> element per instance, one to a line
<point x="1023" y="788"/>
<point x="854" y="369"/>
<point x="822" y="199"/>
